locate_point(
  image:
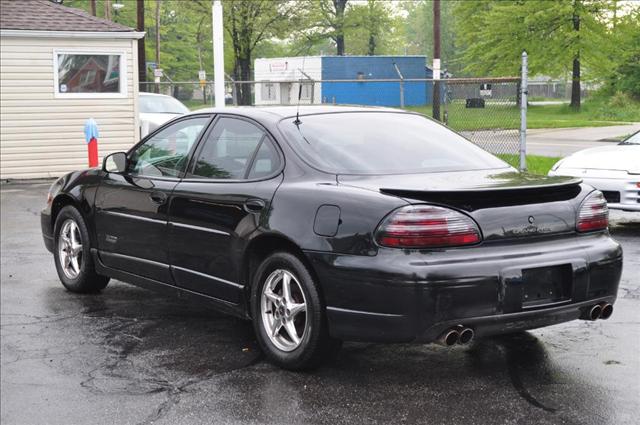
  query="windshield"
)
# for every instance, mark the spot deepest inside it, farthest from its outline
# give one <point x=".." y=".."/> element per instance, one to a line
<point x="161" y="105"/>
<point x="634" y="139"/>
<point x="383" y="143"/>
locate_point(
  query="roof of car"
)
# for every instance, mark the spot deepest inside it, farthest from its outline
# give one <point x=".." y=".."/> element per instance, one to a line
<point x="291" y="110"/>
<point x="146" y="93"/>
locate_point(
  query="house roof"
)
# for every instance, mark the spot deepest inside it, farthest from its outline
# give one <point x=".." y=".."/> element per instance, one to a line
<point x="45" y="15"/>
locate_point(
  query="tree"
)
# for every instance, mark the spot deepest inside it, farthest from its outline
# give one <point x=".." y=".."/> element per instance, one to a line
<point x="418" y="29"/>
<point x="370" y="28"/>
<point x="622" y="70"/>
<point x="325" y="19"/>
<point x="249" y="23"/>
<point x="560" y="37"/>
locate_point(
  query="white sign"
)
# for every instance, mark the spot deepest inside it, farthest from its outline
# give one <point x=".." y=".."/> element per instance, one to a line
<point x="157" y="73"/>
<point x="202" y="75"/>
<point x="436" y="68"/>
<point x="278" y="66"/>
<point x="485" y="89"/>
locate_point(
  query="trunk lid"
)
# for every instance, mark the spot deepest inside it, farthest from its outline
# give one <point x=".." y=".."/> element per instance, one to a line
<point x="505" y="204"/>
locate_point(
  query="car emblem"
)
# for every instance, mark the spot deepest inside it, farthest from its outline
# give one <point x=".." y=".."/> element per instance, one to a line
<point x="531" y="219"/>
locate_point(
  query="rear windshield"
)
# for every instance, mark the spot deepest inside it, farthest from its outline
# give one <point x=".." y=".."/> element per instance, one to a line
<point x="383" y="143"/>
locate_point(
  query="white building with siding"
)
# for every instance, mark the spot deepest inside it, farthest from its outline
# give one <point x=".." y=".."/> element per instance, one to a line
<point x="280" y="76"/>
<point x="58" y="67"/>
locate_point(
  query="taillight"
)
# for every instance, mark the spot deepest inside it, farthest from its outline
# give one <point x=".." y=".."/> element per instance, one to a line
<point x="427" y="226"/>
<point x="593" y="214"/>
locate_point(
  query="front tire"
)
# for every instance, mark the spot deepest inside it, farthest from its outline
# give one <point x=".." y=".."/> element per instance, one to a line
<point x="288" y="314"/>
<point x="72" y="253"/>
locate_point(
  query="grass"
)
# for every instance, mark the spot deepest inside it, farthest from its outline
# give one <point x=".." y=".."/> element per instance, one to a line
<point x="535" y="164"/>
<point x="196" y="104"/>
<point x="593" y="113"/>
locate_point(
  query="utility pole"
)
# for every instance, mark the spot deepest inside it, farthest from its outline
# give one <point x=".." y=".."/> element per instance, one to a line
<point x="93" y="7"/>
<point x="158" y="40"/>
<point x="436" y="59"/>
<point x="142" y="58"/>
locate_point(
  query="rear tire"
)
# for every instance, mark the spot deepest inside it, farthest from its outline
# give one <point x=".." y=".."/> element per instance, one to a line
<point x="72" y="253"/>
<point x="290" y="325"/>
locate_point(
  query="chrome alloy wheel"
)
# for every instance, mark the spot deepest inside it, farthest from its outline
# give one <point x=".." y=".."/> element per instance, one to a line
<point x="283" y="307"/>
<point x="70" y="249"/>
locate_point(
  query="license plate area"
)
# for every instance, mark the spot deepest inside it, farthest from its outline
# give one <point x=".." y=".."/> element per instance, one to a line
<point x="543" y="286"/>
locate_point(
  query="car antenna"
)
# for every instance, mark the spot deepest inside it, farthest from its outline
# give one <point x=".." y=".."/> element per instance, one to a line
<point x="297" y="122"/>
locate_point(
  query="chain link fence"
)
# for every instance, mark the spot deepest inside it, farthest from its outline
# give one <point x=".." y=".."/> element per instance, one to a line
<point x="485" y="110"/>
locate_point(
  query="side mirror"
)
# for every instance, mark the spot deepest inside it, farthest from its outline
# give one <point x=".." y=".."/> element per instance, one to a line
<point x="115" y="163"/>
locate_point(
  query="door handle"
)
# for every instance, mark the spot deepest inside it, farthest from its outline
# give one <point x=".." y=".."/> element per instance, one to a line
<point x="254" y="205"/>
<point x="158" y="197"/>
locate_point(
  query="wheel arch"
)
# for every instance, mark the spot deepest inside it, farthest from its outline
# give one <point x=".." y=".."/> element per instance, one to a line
<point x="262" y="246"/>
<point x="64" y="199"/>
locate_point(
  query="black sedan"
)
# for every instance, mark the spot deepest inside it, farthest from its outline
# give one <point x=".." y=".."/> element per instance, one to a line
<point x="332" y="223"/>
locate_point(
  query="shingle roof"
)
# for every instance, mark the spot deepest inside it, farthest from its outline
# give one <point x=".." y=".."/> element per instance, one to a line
<point x="44" y="15"/>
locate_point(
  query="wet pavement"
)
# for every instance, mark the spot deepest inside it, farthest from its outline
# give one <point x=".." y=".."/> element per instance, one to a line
<point x="131" y="356"/>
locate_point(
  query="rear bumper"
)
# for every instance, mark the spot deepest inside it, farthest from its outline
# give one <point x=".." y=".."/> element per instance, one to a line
<point x="404" y="296"/>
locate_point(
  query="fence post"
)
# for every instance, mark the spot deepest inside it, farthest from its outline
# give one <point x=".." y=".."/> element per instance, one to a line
<point x="401" y="84"/>
<point x="523" y="113"/>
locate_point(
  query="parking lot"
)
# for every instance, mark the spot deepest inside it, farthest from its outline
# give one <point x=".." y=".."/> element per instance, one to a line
<point x="131" y="356"/>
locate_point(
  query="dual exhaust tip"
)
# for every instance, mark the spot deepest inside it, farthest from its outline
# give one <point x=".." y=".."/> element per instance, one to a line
<point x="457" y="335"/>
<point x="597" y="311"/>
<point x="463" y="335"/>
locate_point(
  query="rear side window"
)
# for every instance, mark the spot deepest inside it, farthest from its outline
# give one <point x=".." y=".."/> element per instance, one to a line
<point x="383" y="143"/>
<point x="235" y="149"/>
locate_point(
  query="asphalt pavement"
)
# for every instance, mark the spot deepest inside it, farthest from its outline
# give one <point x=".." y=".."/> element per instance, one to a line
<point x="565" y="141"/>
<point x="555" y="142"/>
<point x="132" y="356"/>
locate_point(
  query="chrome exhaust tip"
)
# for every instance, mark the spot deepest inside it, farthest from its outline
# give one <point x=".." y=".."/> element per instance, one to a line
<point x="593" y="313"/>
<point x="448" y="338"/>
<point x="606" y="311"/>
<point x="466" y="335"/>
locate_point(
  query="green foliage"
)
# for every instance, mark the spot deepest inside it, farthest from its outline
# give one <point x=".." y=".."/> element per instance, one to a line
<point x="536" y="164"/>
<point x="370" y="29"/>
<point x="418" y="31"/>
<point x="494" y="34"/>
<point x="623" y="72"/>
<point x="479" y="38"/>
<point x="597" y="112"/>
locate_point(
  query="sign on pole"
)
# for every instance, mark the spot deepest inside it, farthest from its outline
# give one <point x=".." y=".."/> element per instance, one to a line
<point x="436" y="68"/>
<point x="157" y="73"/>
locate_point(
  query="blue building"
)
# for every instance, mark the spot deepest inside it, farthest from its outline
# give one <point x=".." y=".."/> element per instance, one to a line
<point x="318" y="69"/>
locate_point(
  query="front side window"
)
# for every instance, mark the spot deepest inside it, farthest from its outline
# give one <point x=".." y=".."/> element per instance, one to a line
<point x="166" y="153"/>
<point x="235" y="149"/>
<point x="90" y="73"/>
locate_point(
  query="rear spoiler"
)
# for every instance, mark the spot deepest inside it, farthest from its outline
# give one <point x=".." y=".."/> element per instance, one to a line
<point x="476" y="198"/>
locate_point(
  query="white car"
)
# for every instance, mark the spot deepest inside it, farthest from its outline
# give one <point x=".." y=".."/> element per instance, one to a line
<point x="156" y="109"/>
<point x="614" y="170"/>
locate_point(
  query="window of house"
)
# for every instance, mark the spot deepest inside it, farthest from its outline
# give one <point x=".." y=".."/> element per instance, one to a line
<point x="85" y="74"/>
<point x="307" y="91"/>
<point x="268" y="91"/>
